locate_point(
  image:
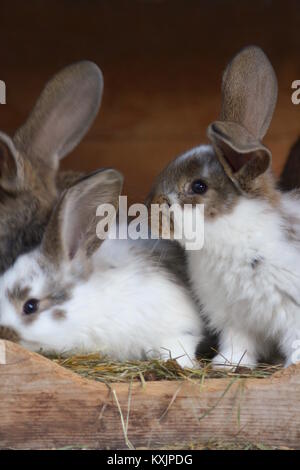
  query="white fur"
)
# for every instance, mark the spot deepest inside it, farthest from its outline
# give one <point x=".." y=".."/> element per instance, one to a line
<point x="126" y="309"/>
<point x="250" y="305"/>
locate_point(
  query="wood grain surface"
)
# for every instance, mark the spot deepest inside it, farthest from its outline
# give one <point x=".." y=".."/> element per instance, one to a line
<point x="43" y="405"/>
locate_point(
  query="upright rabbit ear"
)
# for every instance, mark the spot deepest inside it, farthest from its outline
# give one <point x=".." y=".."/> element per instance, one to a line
<point x="73" y="224"/>
<point x="63" y="114"/>
<point x="249" y="94"/>
<point x="249" y="91"/>
<point x="11" y="168"/>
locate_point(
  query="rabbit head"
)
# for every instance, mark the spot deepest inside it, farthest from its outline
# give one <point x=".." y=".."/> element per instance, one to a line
<point x="38" y="290"/>
<point x="29" y="161"/>
<point x="237" y="164"/>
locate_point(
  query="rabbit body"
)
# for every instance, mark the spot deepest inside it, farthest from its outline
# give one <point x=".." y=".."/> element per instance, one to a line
<point x="118" y="300"/>
<point x="127" y="309"/>
<point x="247" y="277"/>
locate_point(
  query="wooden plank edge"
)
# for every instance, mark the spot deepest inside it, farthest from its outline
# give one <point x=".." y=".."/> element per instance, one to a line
<point x="43" y="405"/>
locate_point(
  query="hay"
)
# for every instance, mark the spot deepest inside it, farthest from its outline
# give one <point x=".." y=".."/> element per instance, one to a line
<point x="99" y="368"/>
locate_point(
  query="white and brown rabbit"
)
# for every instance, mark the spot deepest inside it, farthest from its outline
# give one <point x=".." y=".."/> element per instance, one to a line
<point x="247" y="275"/>
<point x="76" y="293"/>
<point x="29" y="183"/>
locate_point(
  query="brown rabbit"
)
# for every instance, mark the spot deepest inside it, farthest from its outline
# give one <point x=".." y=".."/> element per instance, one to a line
<point x="29" y="161"/>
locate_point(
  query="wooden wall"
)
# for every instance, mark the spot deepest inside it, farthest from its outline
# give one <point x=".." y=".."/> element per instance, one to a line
<point x="162" y="62"/>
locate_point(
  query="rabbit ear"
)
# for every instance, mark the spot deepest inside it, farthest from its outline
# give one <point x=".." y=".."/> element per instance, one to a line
<point x="72" y="226"/>
<point x="249" y="91"/>
<point x="242" y="158"/>
<point x="63" y="114"/>
<point x="11" y="168"/>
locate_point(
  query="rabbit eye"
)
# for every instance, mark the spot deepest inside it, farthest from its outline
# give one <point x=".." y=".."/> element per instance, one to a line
<point x="31" y="306"/>
<point x="199" y="187"/>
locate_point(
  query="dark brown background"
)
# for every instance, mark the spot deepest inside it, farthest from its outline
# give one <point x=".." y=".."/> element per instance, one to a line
<point x="162" y="63"/>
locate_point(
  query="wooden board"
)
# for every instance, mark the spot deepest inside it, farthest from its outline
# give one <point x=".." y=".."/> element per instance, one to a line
<point x="43" y="405"/>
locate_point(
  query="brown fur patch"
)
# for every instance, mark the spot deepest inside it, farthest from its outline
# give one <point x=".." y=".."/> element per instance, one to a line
<point x="65" y="179"/>
<point x="18" y="294"/>
<point x="291" y="225"/>
<point x="265" y="187"/>
<point x="49" y="301"/>
<point x="221" y="195"/>
<point x="53" y="296"/>
<point x="9" y="334"/>
<point x="160" y="218"/>
<point x="59" y="296"/>
<point x="59" y="314"/>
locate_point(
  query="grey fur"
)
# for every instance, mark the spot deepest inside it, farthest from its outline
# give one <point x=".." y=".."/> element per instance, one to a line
<point x="28" y="162"/>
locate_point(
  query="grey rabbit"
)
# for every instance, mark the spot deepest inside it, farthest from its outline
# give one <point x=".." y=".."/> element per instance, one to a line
<point x="29" y="178"/>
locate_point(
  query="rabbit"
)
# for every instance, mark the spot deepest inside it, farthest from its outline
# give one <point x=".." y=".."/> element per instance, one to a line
<point x="29" y="182"/>
<point x="247" y="274"/>
<point x="76" y="293"/>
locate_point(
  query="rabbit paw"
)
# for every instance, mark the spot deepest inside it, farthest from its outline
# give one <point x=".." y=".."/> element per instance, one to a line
<point x="219" y="362"/>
